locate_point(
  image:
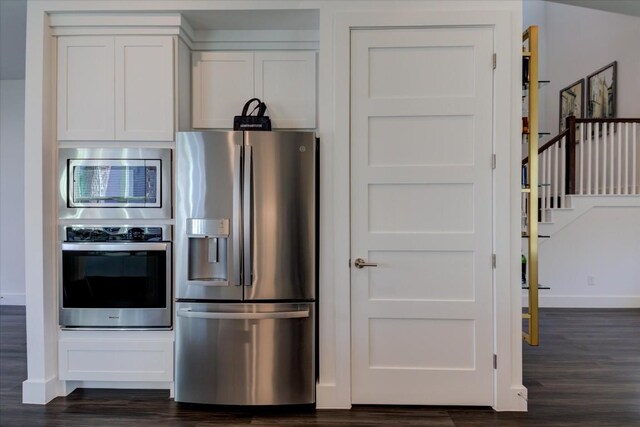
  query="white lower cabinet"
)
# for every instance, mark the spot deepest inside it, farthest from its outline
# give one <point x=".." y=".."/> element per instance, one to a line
<point x="106" y="356"/>
<point x="284" y="80"/>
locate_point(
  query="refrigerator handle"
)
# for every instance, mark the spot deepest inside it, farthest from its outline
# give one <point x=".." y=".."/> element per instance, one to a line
<point x="247" y="212"/>
<point x="237" y="215"/>
<point x="186" y="312"/>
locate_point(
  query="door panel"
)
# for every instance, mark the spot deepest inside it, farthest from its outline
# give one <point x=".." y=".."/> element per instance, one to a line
<point x="421" y="186"/>
<point x="207" y="167"/>
<point x="286" y="82"/>
<point x="222" y="83"/>
<point x="280" y="237"/>
<point x="86" y="88"/>
<point x="245" y="354"/>
<point x="144" y="88"/>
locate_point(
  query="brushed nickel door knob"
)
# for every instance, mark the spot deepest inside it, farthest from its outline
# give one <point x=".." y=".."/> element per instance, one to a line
<point x="361" y="263"/>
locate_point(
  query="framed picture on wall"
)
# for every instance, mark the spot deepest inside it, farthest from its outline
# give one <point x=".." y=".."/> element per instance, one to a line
<point x="571" y="102"/>
<point x="601" y="92"/>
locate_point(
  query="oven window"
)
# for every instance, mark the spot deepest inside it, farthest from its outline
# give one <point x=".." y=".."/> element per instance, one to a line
<point x="114" y="183"/>
<point x="114" y="279"/>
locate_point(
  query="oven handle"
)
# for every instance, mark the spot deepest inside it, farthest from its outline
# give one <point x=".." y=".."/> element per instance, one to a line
<point x="116" y="247"/>
<point x="186" y="312"/>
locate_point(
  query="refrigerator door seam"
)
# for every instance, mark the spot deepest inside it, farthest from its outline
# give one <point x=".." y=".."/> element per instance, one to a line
<point x="237" y="215"/>
<point x="247" y="211"/>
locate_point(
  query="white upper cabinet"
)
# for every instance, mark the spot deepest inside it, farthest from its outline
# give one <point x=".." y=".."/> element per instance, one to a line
<point x="144" y="88"/>
<point x="86" y="105"/>
<point x="222" y="83"/>
<point x="284" y="80"/>
<point x="115" y="88"/>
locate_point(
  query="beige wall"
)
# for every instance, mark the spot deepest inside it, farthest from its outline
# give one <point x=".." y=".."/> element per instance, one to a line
<point x="12" y="192"/>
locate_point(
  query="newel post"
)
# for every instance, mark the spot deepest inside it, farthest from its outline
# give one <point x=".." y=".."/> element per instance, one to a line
<point x="570" y="165"/>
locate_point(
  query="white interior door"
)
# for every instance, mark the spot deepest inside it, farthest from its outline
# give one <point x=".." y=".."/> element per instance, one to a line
<point x="421" y="194"/>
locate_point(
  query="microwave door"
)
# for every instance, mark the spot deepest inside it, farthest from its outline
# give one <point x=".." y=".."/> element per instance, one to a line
<point x="114" y="183"/>
<point x="279" y="216"/>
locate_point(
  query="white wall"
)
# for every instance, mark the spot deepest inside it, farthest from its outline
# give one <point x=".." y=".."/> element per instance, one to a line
<point x="580" y="41"/>
<point x="12" y="192"/>
<point x="603" y="243"/>
<point x="574" y="42"/>
<point x="534" y="13"/>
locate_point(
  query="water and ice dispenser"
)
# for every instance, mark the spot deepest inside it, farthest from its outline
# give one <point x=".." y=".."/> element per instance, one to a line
<point x="208" y="250"/>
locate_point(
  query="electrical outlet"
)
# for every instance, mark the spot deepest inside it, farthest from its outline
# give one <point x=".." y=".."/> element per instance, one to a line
<point x="591" y="281"/>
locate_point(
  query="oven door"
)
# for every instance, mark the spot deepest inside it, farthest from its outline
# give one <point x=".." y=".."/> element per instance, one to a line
<point x="115" y="285"/>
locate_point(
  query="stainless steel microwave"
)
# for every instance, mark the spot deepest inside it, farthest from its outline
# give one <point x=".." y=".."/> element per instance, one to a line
<point x="114" y="183"/>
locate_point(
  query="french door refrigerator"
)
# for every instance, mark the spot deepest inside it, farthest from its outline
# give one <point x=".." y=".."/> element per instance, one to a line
<point x="245" y="253"/>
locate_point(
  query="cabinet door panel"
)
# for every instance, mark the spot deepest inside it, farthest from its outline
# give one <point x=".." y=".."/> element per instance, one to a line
<point x="222" y="83"/>
<point x="144" y="88"/>
<point x="286" y="82"/>
<point x="85" y="88"/>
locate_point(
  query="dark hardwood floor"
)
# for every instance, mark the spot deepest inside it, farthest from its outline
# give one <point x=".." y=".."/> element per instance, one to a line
<point x="585" y="373"/>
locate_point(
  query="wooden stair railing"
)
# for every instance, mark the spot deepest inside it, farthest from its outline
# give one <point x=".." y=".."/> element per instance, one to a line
<point x="603" y="160"/>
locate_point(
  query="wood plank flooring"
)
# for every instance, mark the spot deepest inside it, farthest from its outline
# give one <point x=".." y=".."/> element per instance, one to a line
<point x="585" y="373"/>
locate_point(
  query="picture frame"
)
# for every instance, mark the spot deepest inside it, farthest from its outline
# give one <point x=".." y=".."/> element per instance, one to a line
<point x="601" y="92"/>
<point x="571" y="102"/>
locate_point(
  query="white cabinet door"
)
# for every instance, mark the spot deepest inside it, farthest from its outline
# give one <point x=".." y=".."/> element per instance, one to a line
<point x="286" y="82"/>
<point x="421" y="206"/>
<point x="85" y="88"/>
<point x="222" y="83"/>
<point x="144" y="88"/>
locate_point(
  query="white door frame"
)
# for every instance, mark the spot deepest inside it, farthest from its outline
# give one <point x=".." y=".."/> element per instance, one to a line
<point x="509" y="394"/>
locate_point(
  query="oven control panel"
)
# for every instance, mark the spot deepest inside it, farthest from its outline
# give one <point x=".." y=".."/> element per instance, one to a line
<point x="115" y="233"/>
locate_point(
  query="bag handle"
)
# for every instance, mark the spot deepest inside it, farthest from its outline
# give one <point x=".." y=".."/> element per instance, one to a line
<point x="262" y="107"/>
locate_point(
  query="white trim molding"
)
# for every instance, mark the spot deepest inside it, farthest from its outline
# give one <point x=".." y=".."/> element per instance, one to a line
<point x="508" y="388"/>
<point x="40" y="392"/>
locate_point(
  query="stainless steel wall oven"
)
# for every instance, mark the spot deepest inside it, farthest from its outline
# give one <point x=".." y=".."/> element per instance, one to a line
<point x="114" y="183"/>
<point x="115" y="277"/>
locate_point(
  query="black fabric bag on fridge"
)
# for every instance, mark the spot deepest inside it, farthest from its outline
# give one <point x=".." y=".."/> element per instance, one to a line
<point x="249" y="122"/>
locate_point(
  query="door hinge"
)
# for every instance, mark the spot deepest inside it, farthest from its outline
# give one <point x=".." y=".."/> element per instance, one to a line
<point x="493" y="161"/>
<point x="493" y="260"/>
<point x="495" y="60"/>
<point x="495" y="361"/>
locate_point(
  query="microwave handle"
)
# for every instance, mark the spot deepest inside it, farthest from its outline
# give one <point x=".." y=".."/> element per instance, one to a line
<point x="116" y="247"/>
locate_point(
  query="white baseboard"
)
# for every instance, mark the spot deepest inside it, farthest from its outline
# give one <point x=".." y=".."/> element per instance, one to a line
<point x="41" y="392"/>
<point x="148" y="385"/>
<point x="327" y="397"/>
<point x="516" y="401"/>
<point x="13" y="299"/>
<point x="589" y="301"/>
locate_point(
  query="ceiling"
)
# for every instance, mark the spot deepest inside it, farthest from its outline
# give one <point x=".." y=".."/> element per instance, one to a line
<point x="626" y="7"/>
<point x="13" y="15"/>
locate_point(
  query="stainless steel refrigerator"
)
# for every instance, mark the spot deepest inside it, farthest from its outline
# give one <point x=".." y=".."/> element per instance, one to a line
<point x="245" y="267"/>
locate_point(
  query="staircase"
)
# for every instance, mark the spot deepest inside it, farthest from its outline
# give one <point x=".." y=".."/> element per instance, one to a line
<point x="578" y="205"/>
<point x="589" y="208"/>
